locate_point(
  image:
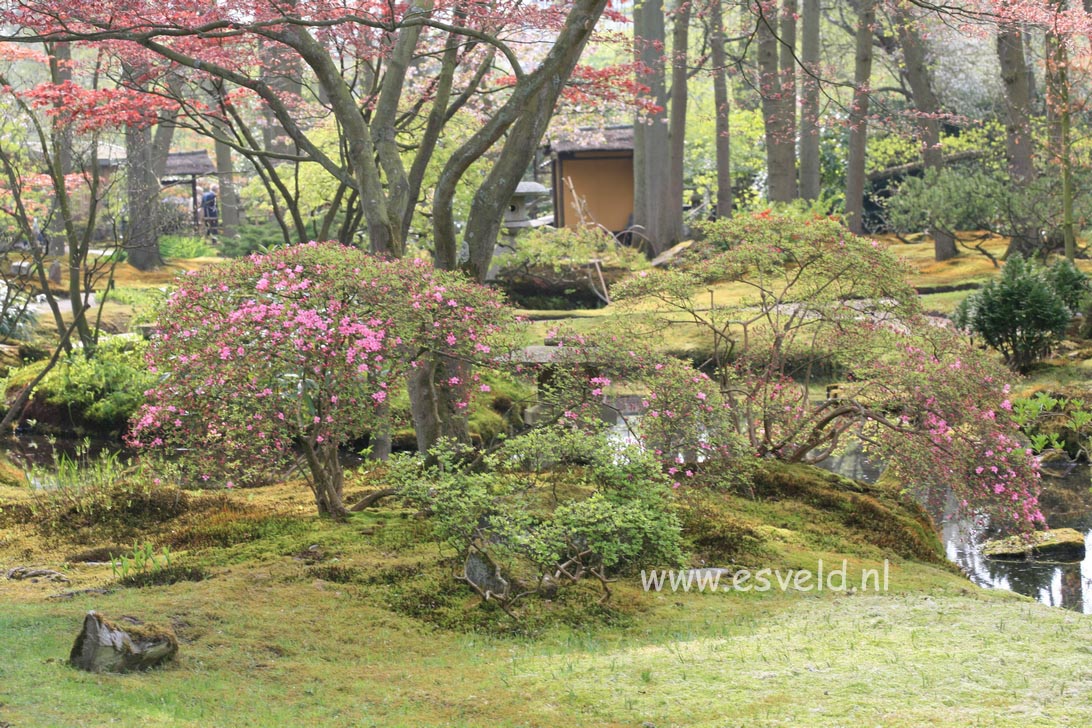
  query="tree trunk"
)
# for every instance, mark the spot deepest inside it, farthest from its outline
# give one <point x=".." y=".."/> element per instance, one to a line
<point x="809" y="106"/>
<point x="423" y="405"/>
<point x="436" y="119"/>
<point x="327" y="478"/>
<point x="651" y="185"/>
<point x="63" y="227"/>
<point x="777" y="88"/>
<point x="229" y="198"/>
<point x="720" y="97"/>
<point x="858" y="119"/>
<point x="281" y="71"/>
<point x="917" y="75"/>
<point x="639" y="223"/>
<point x="1060" y="121"/>
<point x="787" y="118"/>
<point x="380" y="437"/>
<point x="384" y="231"/>
<point x="524" y="116"/>
<point x="1018" y="139"/>
<point x="385" y="116"/>
<point x="680" y="38"/>
<point x="142" y="233"/>
<point x="142" y="190"/>
<point x="433" y="402"/>
<point x="60" y="58"/>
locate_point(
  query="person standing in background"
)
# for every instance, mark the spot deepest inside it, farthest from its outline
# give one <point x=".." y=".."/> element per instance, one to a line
<point x="210" y="211"/>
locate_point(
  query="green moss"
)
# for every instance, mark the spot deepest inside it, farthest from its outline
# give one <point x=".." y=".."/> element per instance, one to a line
<point x="144" y="631"/>
<point x="716" y="533"/>
<point x="370" y="628"/>
<point x="876" y="515"/>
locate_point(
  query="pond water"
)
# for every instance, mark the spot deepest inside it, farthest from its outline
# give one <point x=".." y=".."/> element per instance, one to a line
<point x="1066" y="502"/>
<point x="48" y="461"/>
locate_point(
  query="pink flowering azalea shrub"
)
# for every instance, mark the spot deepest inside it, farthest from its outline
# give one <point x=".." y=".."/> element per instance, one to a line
<point x="814" y="306"/>
<point x="948" y="427"/>
<point x="279" y="360"/>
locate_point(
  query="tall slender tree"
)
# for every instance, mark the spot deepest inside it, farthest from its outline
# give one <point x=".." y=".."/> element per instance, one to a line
<point x="809" y="100"/>
<point x="651" y="152"/>
<point x="776" y="34"/>
<point x="1019" y="144"/>
<point x="858" y="117"/>
<point x="720" y="98"/>
<point x="680" y="40"/>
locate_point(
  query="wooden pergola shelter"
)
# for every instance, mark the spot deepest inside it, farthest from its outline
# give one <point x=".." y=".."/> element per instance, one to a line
<point x="188" y="166"/>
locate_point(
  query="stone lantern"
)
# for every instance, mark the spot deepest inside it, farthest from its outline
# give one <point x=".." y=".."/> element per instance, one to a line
<point x="519" y="216"/>
<point x="520" y="212"/>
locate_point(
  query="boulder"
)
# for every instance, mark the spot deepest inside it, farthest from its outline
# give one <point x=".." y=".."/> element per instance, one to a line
<point x="485" y="576"/>
<point x="1060" y="544"/>
<point x="122" y="645"/>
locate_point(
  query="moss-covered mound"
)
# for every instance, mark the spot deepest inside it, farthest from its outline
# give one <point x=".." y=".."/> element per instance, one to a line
<point x="876" y="515"/>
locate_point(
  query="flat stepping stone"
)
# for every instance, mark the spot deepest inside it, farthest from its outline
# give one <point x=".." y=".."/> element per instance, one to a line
<point x="1060" y="544"/>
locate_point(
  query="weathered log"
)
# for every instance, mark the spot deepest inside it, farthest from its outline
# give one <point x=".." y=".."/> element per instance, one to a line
<point x="33" y="574"/>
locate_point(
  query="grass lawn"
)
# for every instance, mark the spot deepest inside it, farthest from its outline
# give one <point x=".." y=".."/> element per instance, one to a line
<point x="368" y="629"/>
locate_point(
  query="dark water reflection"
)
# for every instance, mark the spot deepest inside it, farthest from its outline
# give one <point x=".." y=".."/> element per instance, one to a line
<point x="1066" y="502"/>
<point x="39" y="451"/>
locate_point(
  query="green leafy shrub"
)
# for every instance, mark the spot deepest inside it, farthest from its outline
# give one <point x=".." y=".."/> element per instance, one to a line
<point x="542" y="524"/>
<point x="1055" y="423"/>
<point x="99" y="392"/>
<point x="143" y="566"/>
<point x="252" y="238"/>
<point x="16" y="321"/>
<point x="563" y="248"/>
<point x="550" y="268"/>
<point x="141" y="558"/>
<point x="1069" y="282"/>
<point x="949" y="200"/>
<point x="1019" y="314"/>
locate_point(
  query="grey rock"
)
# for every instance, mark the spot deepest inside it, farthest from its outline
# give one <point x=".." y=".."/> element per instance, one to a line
<point x="485" y="575"/>
<point x="122" y="645"/>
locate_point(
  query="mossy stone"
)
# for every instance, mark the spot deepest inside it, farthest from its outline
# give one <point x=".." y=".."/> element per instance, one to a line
<point x="1060" y="544"/>
<point x="123" y="645"/>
